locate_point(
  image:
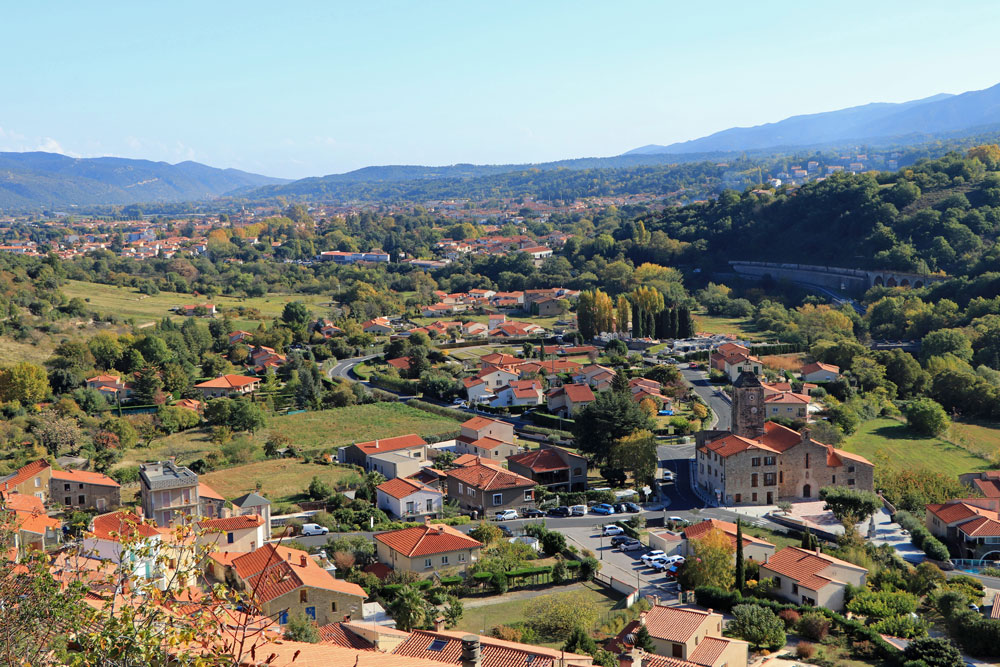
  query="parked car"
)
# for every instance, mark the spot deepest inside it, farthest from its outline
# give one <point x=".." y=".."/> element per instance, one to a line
<point x="578" y="510"/>
<point x="619" y="540"/>
<point x="667" y="562"/>
<point x="676" y="519"/>
<point x="630" y="545"/>
<point x="505" y="531"/>
<point x="309" y="529"/>
<point x="668" y="476"/>
<point x="506" y="515"/>
<point x="559" y="511"/>
<point x="532" y="513"/>
<point x="612" y="529"/>
<point x="632" y="508"/>
<point x="693" y="364"/>
<point x="652" y="555"/>
<point x="620" y="508"/>
<point x="602" y="508"/>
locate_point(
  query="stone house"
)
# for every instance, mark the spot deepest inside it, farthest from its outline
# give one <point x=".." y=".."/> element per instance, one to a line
<point x="427" y="549"/>
<point x="686" y="635"/>
<point x="33" y="479"/>
<point x="81" y="489"/>
<point x="811" y="577"/>
<point x="483" y="486"/>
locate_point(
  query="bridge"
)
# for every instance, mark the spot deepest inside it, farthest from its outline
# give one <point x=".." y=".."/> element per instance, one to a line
<point x="832" y="277"/>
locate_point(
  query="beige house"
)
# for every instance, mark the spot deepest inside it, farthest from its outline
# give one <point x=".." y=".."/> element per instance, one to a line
<point x="943" y="519"/>
<point x="401" y="463"/>
<point x="243" y="533"/>
<point x="553" y="467"/>
<point x="169" y="492"/>
<point x="489" y="438"/>
<point x="683" y="633"/>
<point x="820" y="372"/>
<point x="811" y="577"/>
<point x="568" y="399"/>
<point x="288" y="582"/>
<point x="485" y="487"/>
<point x="361" y="453"/>
<point x="427" y="549"/>
<point x="228" y="385"/>
<point x="408" y="499"/>
<point x="787" y="404"/>
<point x="253" y="503"/>
<point x="81" y="489"/>
<point x="33" y="479"/>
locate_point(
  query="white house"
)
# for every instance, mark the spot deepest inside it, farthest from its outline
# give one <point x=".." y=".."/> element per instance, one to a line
<point x="408" y="499"/>
<point x="519" y="393"/>
<point x="820" y="372"/>
<point x="103" y="542"/>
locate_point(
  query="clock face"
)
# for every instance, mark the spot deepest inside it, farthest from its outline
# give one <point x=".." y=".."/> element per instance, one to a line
<point x="753" y="411"/>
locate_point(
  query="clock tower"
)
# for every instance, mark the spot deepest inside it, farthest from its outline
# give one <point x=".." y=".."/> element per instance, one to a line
<point x="748" y="406"/>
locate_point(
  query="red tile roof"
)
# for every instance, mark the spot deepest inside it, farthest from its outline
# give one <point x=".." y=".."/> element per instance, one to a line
<point x="780" y="437"/>
<point x="952" y="512"/>
<point x="402" y="363"/>
<point x="273" y="576"/>
<point x="804" y="567"/>
<point x="391" y="444"/>
<point x="981" y="527"/>
<point x="701" y="529"/>
<point x="205" y="491"/>
<point x="539" y="460"/>
<point x="709" y="650"/>
<point x="224" y="525"/>
<point x="495" y="652"/>
<point x="300" y="654"/>
<point x="734" y="444"/>
<point x="674" y="624"/>
<point x="401" y="487"/>
<point x="477" y="423"/>
<point x="25" y="473"/>
<point x="434" y="538"/>
<point x="487" y="477"/>
<point x="337" y="634"/>
<point x="113" y="525"/>
<point x="989" y="487"/>
<point x="819" y="366"/>
<point x="228" y="382"/>
<point x="21" y="502"/>
<point x="84" y="477"/>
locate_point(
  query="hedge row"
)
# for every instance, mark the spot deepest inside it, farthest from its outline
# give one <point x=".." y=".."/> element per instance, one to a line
<point x="718" y="599"/>
<point x="552" y="421"/>
<point x="398" y="385"/>
<point x="921" y="537"/>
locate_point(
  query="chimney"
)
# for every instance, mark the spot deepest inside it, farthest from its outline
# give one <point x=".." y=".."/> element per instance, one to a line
<point x="470" y="651"/>
<point x="656" y="600"/>
<point x="439" y="624"/>
<point x="302" y="560"/>
<point x="427" y="520"/>
<point x="376" y="443"/>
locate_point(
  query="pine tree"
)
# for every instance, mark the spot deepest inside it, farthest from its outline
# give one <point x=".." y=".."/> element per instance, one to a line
<point x="644" y="640"/>
<point x="741" y="572"/>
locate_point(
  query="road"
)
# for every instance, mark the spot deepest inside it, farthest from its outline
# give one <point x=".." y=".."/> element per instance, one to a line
<point x="717" y="401"/>
<point x="343" y="368"/>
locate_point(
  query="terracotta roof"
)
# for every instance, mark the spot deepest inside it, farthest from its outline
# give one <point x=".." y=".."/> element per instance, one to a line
<point x="477" y="422"/>
<point x="205" y="491"/>
<point x="25" y="473"/>
<point x="434" y="538"/>
<point x="981" y="527"/>
<point x="734" y="444"/>
<point x="463" y="460"/>
<point x="113" y="525"/>
<point x="84" y="477"/>
<point x="539" y="460"/>
<point x="805" y="567"/>
<point x="227" y="382"/>
<point x="105" y="378"/>
<point x="275" y="576"/>
<point x="780" y="437"/>
<point x="402" y="363"/>
<point x="819" y="366"/>
<point x="449" y="650"/>
<point x="486" y="442"/>
<point x="835" y="457"/>
<point x="489" y="477"/>
<point x="699" y="530"/>
<point x="788" y="397"/>
<point x="674" y="624"/>
<point x="989" y="487"/>
<point x="653" y="660"/>
<point x="952" y="512"/>
<point x="336" y="633"/>
<point x="709" y="650"/>
<point x="226" y="524"/>
<point x="390" y="444"/>
<point x="21" y="502"/>
<point x="488" y="643"/>
<point x="300" y="654"/>
<point x="401" y="487"/>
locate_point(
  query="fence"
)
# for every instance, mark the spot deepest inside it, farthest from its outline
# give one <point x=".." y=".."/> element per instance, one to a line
<point x="630" y="592"/>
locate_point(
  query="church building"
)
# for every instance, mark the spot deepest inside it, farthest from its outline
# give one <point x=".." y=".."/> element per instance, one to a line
<point x="761" y="462"/>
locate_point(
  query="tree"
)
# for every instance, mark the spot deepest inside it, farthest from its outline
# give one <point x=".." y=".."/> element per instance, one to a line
<point x="553" y="542"/>
<point x="58" y="433"/>
<point x="555" y="616"/>
<point x="623" y="313"/>
<point x="319" y="490"/>
<point x="711" y="563"/>
<point x="758" y="625"/>
<point x="600" y="424"/>
<point x="927" y="417"/>
<point x="301" y="628"/>
<point x="946" y="341"/>
<point x="147" y="384"/>
<point x="408" y="608"/>
<point x="25" y="383"/>
<point x="644" y="640"/>
<point x="685" y="323"/>
<point x="295" y="314"/>
<point x="580" y="642"/>
<point x="741" y="566"/>
<point x="486" y="532"/>
<point x="934" y="652"/>
<point x="849" y="506"/>
<point x="595" y="313"/>
<point x="636" y="453"/>
<point x="245" y="416"/>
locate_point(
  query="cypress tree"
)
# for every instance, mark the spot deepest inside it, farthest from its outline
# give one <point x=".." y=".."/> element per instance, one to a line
<point x="741" y="571"/>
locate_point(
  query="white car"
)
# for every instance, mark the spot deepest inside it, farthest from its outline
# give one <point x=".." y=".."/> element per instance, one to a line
<point x="612" y="529"/>
<point x="648" y="558"/>
<point x="676" y="519"/>
<point x="506" y="515"/>
<point x="578" y="510"/>
<point x="310" y="529"/>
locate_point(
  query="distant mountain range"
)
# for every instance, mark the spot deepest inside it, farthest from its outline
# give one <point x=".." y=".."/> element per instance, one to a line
<point x="870" y="123"/>
<point x="49" y="180"/>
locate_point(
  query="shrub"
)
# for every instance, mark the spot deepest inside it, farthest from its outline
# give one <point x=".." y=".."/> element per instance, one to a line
<point x="815" y="626"/>
<point x="805" y="650"/>
<point x="506" y="633"/>
<point x="935" y="549"/>
<point x="906" y="627"/>
<point x="758" y="625"/>
<point x="883" y="604"/>
<point x="790" y="617"/>
<point x="717" y="598"/>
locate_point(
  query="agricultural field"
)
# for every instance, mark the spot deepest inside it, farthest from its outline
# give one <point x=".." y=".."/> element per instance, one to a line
<point x="127" y="302"/>
<point x="283" y="480"/>
<point x="981" y="438"/>
<point x="712" y="324"/>
<point x="890" y="442"/>
<point x="784" y="362"/>
<point x="308" y="431"/>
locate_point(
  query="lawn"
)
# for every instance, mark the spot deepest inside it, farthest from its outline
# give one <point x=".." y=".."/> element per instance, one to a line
<point x="127" y="302"/>
<point x="280" y="479"/>
<point x="482" y="619"/>
<point x="308" y="431"/>
<point x="779" y="540"/>
<point x="889" y="442"/>
<point x="978" y="437"/>
<point x="742" y="327"/>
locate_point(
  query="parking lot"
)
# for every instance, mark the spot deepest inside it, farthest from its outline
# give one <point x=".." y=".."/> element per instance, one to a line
<point x="625" y="566"/>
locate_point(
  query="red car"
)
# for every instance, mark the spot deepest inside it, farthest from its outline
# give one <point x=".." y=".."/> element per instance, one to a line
<point x="693" y="364"/>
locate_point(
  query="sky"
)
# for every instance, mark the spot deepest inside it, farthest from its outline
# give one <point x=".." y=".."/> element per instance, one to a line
<point x="295" y="89"/>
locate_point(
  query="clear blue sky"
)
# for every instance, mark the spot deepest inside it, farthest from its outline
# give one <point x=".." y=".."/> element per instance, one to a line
<point x="309" y="88"/>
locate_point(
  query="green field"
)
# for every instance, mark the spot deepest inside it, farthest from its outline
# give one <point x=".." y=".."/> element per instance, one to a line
<point x="744" y="328"/>
<point x="481" y="619"/>
<point x="308" y="431"/>
<point x="127" y="302"/>
<point x="280" y="479"/>
<point x="889" y="442"/>
<point x="981" y="438"/>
